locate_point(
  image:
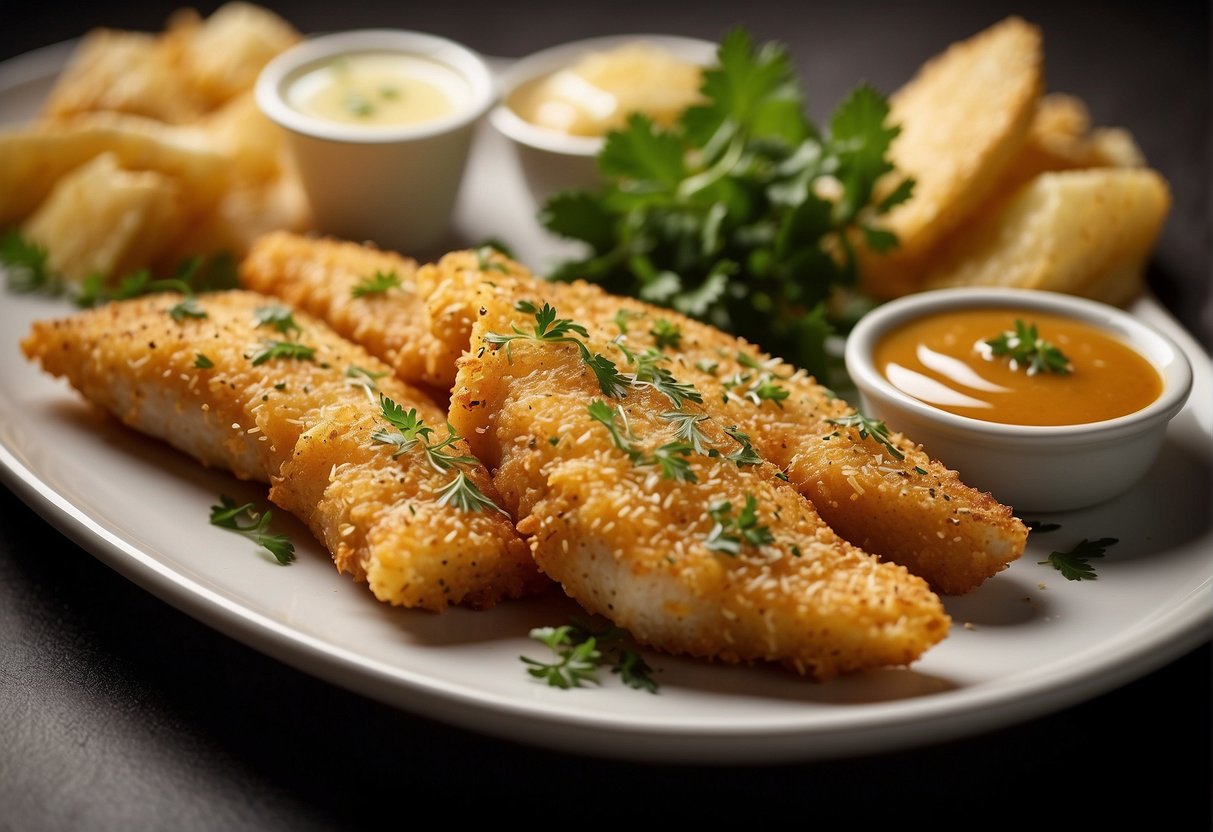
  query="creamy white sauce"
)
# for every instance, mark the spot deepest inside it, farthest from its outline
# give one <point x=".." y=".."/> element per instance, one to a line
<point x="379" y="89"/>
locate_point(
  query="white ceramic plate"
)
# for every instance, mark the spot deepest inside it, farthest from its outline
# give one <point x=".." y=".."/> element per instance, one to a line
<point x="1026" y="643"/>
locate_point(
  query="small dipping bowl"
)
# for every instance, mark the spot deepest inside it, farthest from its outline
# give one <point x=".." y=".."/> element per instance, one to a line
<point x="393" y="183"/>
<point x="553" y="161"/>
<point x="1039" y="468"/>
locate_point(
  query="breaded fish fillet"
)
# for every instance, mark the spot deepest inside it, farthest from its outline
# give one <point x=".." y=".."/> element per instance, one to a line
<point x="887" y="497"/>
<point x="337" y="281"/>
<point x="673" y="533"/>
<point x="243" y="383"/>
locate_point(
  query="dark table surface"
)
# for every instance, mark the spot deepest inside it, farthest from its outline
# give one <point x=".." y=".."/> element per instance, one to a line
<point x="117" y="711"/>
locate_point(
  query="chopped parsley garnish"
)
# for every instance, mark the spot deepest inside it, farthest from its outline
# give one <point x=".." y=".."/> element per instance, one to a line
<point x="202" y="362"/>
<point x="187" y="308"/>
<point x="271" y="349"/>
<point x="623" y="316"/>
<point x="463" y="494"/>
<point x="647" y="372"/>
<point x="358" y="105"/>
<point x="744" y="455"/>
<point x="686" y="428"/>
<point x="193" y="275"/>
<point x="549" y="329"/>
<point x="873" y="428"/>
<point x="253" y="524"/>
<point x="581" y="651"/>
<point x="377" y="284"/>
<point x="670" y="457"/>
<point x="364" y="378"/>
<point x="1025" y="348"/>
<point x="410" y="431"/>
<point x="1075" y="565"/>
<point x="720" y="216"/>
<point x="485" y="263"/>
<point x="666" y="335"/>
<point x="732" y="532"/>
<point x="756" y="387"/>
<point x="279" y="317"/>
<point x="26" y="266"/>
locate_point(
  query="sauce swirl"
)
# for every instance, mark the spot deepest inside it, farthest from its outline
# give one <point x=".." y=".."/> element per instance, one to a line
<point x="943" y="360"/>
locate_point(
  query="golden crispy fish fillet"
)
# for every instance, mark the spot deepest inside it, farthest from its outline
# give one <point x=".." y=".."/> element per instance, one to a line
<point x="239" y="382"/>
<point x="887" y="497"/>
<point x="323" y="276"/>
<point x="674" y="535"/>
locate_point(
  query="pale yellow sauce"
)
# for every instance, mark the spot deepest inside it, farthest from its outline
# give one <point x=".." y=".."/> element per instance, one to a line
<point x="598" y="93"/>
<point x="942" y="360"/>
<point x="379" y="89"/>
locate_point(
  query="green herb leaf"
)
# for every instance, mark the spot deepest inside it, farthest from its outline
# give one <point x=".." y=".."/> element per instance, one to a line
<point x="732" y="532"/>
<point x="1027" y="350"/>
<point x="380" y="283"/>
<point x="279" y="317"/>
<point x="666" y="336"/>
<point x="549" y="329"/>
<point x="271" y="350"/>
<point x="1075" y="565"/>
<point x="725" y="215"/>
<point x="873" y="428"/>
<point x="25" y="266"/>
<point x="248" y="521"/>
<point x="410" y="431"/>
<point x="581" y="651"/>
<point x="202" y="362"/>
<point x="187" y="308"/>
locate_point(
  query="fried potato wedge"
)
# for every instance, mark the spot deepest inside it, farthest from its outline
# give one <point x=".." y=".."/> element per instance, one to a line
<point x="964" y="118"/>
<point x="1084" y="232"/>
<point x="221" y="55"/>
<point x="1062" y="138"/>
<point x="102" y="219"/>
<point x="33" y="158"/>
<point x="127" y="72"/>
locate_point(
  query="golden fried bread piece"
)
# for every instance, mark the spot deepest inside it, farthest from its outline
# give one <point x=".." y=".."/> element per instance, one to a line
<point x="721" y="560"/>
<point x="217" y="383"/>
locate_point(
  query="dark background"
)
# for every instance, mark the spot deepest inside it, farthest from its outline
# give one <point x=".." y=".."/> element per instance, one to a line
<point x="119" y="712"/>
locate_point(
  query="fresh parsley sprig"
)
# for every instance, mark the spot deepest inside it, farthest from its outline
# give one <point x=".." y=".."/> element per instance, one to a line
<point x="409" y="431"/>
<point x="723" y="216"/>
<point x="671" y="457"/>
<point x="549" y="329"/>
<point x="1075" y="565"/>
<point x="873" y="428"/>
<point x="581" y="651"/>
<point x="1025" y="348"/>
<point x="253" y="524"/>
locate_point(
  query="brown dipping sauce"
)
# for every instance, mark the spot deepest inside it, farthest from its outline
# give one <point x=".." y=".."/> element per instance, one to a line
<point x="941" y="359"/>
